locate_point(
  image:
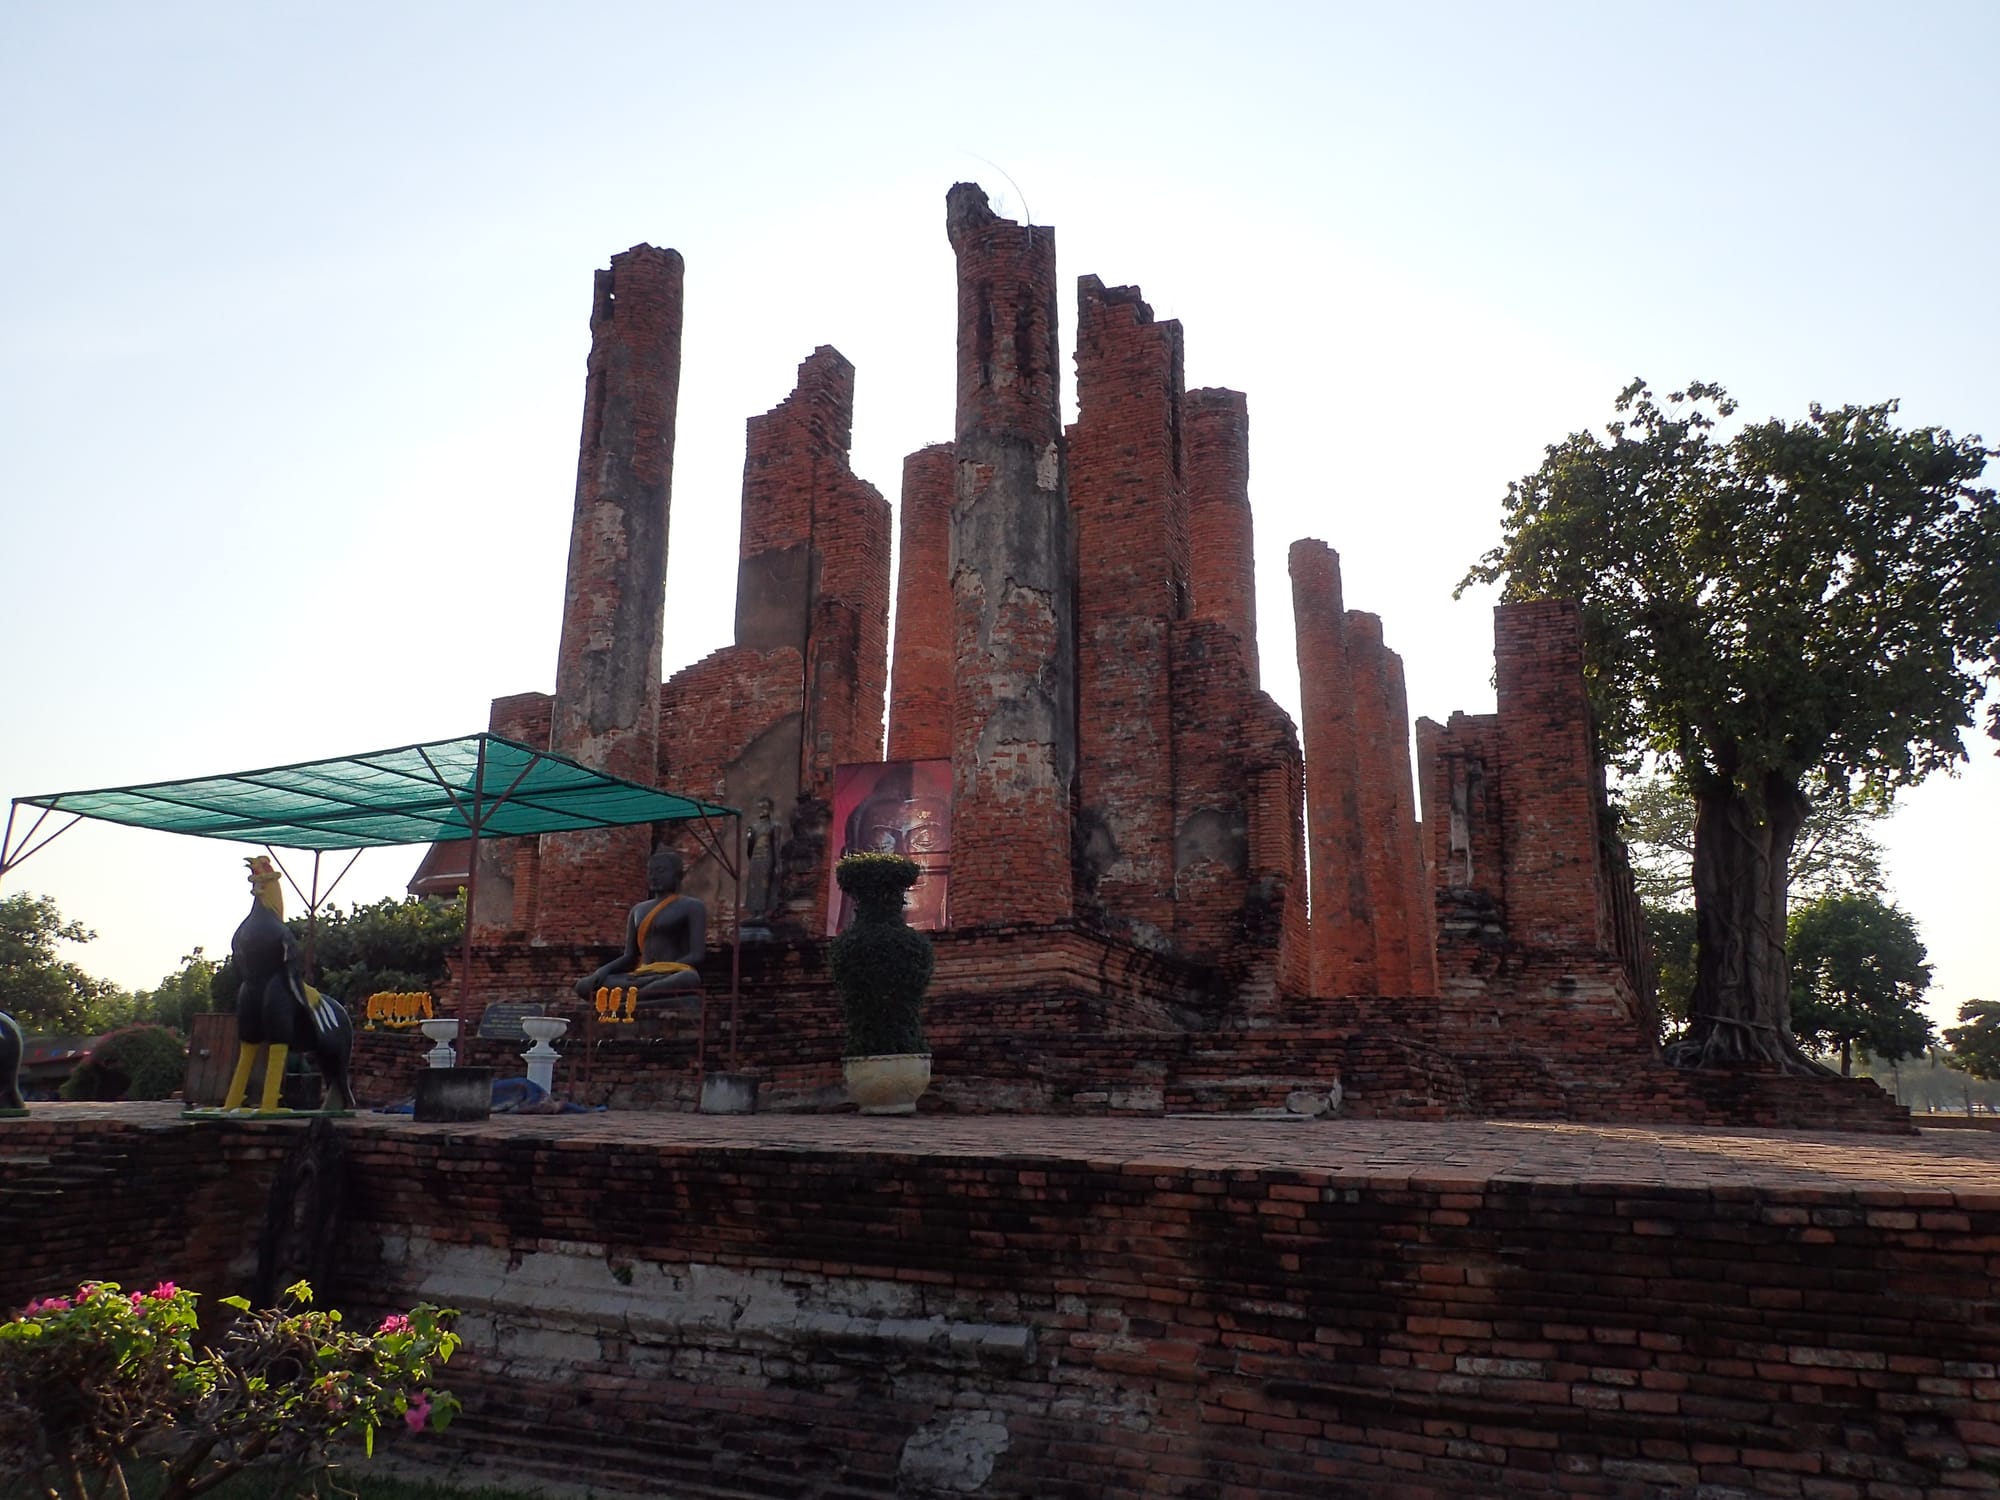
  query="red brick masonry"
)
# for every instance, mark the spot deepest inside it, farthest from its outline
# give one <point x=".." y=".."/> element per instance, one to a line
<point x="1220" y="1308"/>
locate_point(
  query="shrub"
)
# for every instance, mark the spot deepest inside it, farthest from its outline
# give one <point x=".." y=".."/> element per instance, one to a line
<point x="107" y="1383"/>
<point x="880" y="966"/>
<point x="133" y="1062"/>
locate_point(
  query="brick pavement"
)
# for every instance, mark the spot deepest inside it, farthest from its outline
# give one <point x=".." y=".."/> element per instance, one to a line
<point x="1964" y="1165"/>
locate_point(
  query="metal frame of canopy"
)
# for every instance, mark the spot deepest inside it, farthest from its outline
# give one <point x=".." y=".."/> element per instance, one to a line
<point x="343" y="819"/>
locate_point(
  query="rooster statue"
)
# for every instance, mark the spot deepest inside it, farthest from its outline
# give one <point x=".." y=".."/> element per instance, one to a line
<point x="276" y="1008"/>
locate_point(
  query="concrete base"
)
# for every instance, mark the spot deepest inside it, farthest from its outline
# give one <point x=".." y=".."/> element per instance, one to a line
<point x="729" y="1094"/>
<point x="454" y="1095"/>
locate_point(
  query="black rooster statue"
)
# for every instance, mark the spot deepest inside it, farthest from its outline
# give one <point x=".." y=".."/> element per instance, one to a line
<point x="275" y="1008"/>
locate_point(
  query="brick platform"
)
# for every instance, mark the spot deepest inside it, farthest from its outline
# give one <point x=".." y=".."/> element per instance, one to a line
<point x="827" y="1306"/>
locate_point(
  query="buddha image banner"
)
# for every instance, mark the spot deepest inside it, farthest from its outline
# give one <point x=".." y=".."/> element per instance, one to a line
<point x="896" y="807"/>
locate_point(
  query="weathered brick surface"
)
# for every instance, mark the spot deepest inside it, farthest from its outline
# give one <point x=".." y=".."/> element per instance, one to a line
<point x="1129" y="510"/>
<point x="1174" y="1308"/>
<point x="1222" y="561"/>
<point x="1013" y="622"/>
<point x="1549" y="816"/>
<point x="510" y="869"/>
<point x="920" y="706"/>
<point x="608" y="666"/>
<point x="1343" y="918"/>
<point x="1239" y="823"/>
<point x="1382" y="777"/>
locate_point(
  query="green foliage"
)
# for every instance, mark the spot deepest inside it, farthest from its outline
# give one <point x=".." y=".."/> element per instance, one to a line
<point x="106" y="1383"/>
<point x="391" y="945"/>
<point x="1672" y="930"/>
<point x="1974" y="1042"/>
<point x="133" y="1062"/>
<point x="182" y="995"/>
<point x="45" y="993"/>
<point x="1858" y="979"/>
<point x="1810" y="599"/>
<point x="880" y="965"/>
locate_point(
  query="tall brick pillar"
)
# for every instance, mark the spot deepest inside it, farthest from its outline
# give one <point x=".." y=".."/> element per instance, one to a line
<point x="1013" y="626"/>
<point x="1222" y="564"/>
<point x="1419" y="907"/>
<point x="920" y="689"/>
<point x="1342" y="924"/>
<point x="1130" y="515"/>
<point x="1388" y="829"/>
<point x="1549" y="808"/>
<point x="607" y="701"/>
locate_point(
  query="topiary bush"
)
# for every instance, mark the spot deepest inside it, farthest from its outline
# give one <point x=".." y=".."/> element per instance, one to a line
<point x="880" y="965"/>
<point x="133" y="1062"/>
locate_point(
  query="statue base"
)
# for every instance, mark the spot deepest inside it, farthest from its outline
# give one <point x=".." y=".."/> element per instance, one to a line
<point x="453" y="1095"/>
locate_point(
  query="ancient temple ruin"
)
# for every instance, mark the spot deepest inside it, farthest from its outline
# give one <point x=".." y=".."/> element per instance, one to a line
<point x="1157" y="892"/>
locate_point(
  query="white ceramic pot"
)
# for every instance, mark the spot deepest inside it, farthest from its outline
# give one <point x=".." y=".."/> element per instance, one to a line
<point x="890" y="1083"/>
<point x="444" y="1031"/>
<point x="542" y="1058"/>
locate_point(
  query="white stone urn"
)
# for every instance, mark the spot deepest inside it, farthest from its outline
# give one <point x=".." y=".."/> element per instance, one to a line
<point x="542" y="1058"/>
<point x="444" y="1031"/>
<point x="889" y="1083"/>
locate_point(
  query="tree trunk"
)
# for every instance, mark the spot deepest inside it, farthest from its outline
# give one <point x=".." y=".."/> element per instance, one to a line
<point x="1846" y="1058"/>
<point x="1740" y="1012"/>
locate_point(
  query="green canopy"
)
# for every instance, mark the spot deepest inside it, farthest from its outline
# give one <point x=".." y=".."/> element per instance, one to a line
<point x="480" y="786"/>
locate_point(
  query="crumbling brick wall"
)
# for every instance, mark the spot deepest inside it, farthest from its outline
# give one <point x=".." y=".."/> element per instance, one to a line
<point x="1013" y="605"/>
<point x="607" y="699"/>
<point x="1129" y="509"/>
<point x="920" y="706"/>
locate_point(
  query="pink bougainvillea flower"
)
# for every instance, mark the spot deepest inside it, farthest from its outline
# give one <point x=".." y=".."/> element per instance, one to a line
<point x="49" y="1305"/>
<point x="163" y="1291"/>
<point x="137" y="1298"/>
<point x="419" y="1412"/>
<point x="394" y="1323"/>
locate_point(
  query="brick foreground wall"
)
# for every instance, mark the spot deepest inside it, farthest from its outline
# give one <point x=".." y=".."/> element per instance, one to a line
<point x="726" y="1315"/>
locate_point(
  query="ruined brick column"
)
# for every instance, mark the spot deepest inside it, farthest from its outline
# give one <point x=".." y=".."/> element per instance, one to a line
<point x="1342" y="924"/>
<point x="607" y="701"/>
<point x="920" y="690"/>
<point x="1130" y="515"/>
<point x="509" y="869"/>
<point x="1382" y="762"/>
<point x="1013" y="627"/>
<point x="1419" y="909"/>
<point x="1549" y="809"/>
<point x="1222" y="562"/>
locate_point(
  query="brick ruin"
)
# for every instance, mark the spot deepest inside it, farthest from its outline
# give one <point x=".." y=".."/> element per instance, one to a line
<point x="1161" y="893"/>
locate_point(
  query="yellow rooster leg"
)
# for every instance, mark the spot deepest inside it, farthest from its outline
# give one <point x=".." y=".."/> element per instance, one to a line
<point x="239" y="1081"/>
<point x="274" y="1075"/>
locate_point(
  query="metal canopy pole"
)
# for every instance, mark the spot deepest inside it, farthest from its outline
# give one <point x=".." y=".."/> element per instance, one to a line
<point x="12" y="854"/>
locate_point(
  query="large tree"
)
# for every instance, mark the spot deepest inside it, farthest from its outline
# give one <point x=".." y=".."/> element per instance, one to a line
<point x="42" y="990"/>
<point x="1859" y="972"/>
<point x="1975" y="1040"/>
<point x="1797" y="611"/>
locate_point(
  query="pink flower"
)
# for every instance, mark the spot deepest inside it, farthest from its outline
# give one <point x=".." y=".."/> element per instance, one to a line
<point x="163" y="1291"/>
<point x="137" y="1298"/>
<point x="47" y="1305"/>
<point x="394" y="1323"/>
<point x="419" y="1412"/>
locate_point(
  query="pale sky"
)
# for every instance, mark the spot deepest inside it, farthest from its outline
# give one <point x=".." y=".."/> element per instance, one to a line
<point x="294" y="307"/>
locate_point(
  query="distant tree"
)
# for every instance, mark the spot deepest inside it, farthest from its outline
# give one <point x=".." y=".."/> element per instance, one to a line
<point x="387" y="945"/>
<point x="1974" y="1043"/>
<point x="43" y="991"/>
<point x="1859" y="973"/>
<point x="181" y="995"/>
<point x="1803" y="609"/>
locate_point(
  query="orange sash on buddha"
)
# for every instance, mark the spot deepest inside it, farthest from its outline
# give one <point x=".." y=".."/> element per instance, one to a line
<point x="661" y="966"/>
